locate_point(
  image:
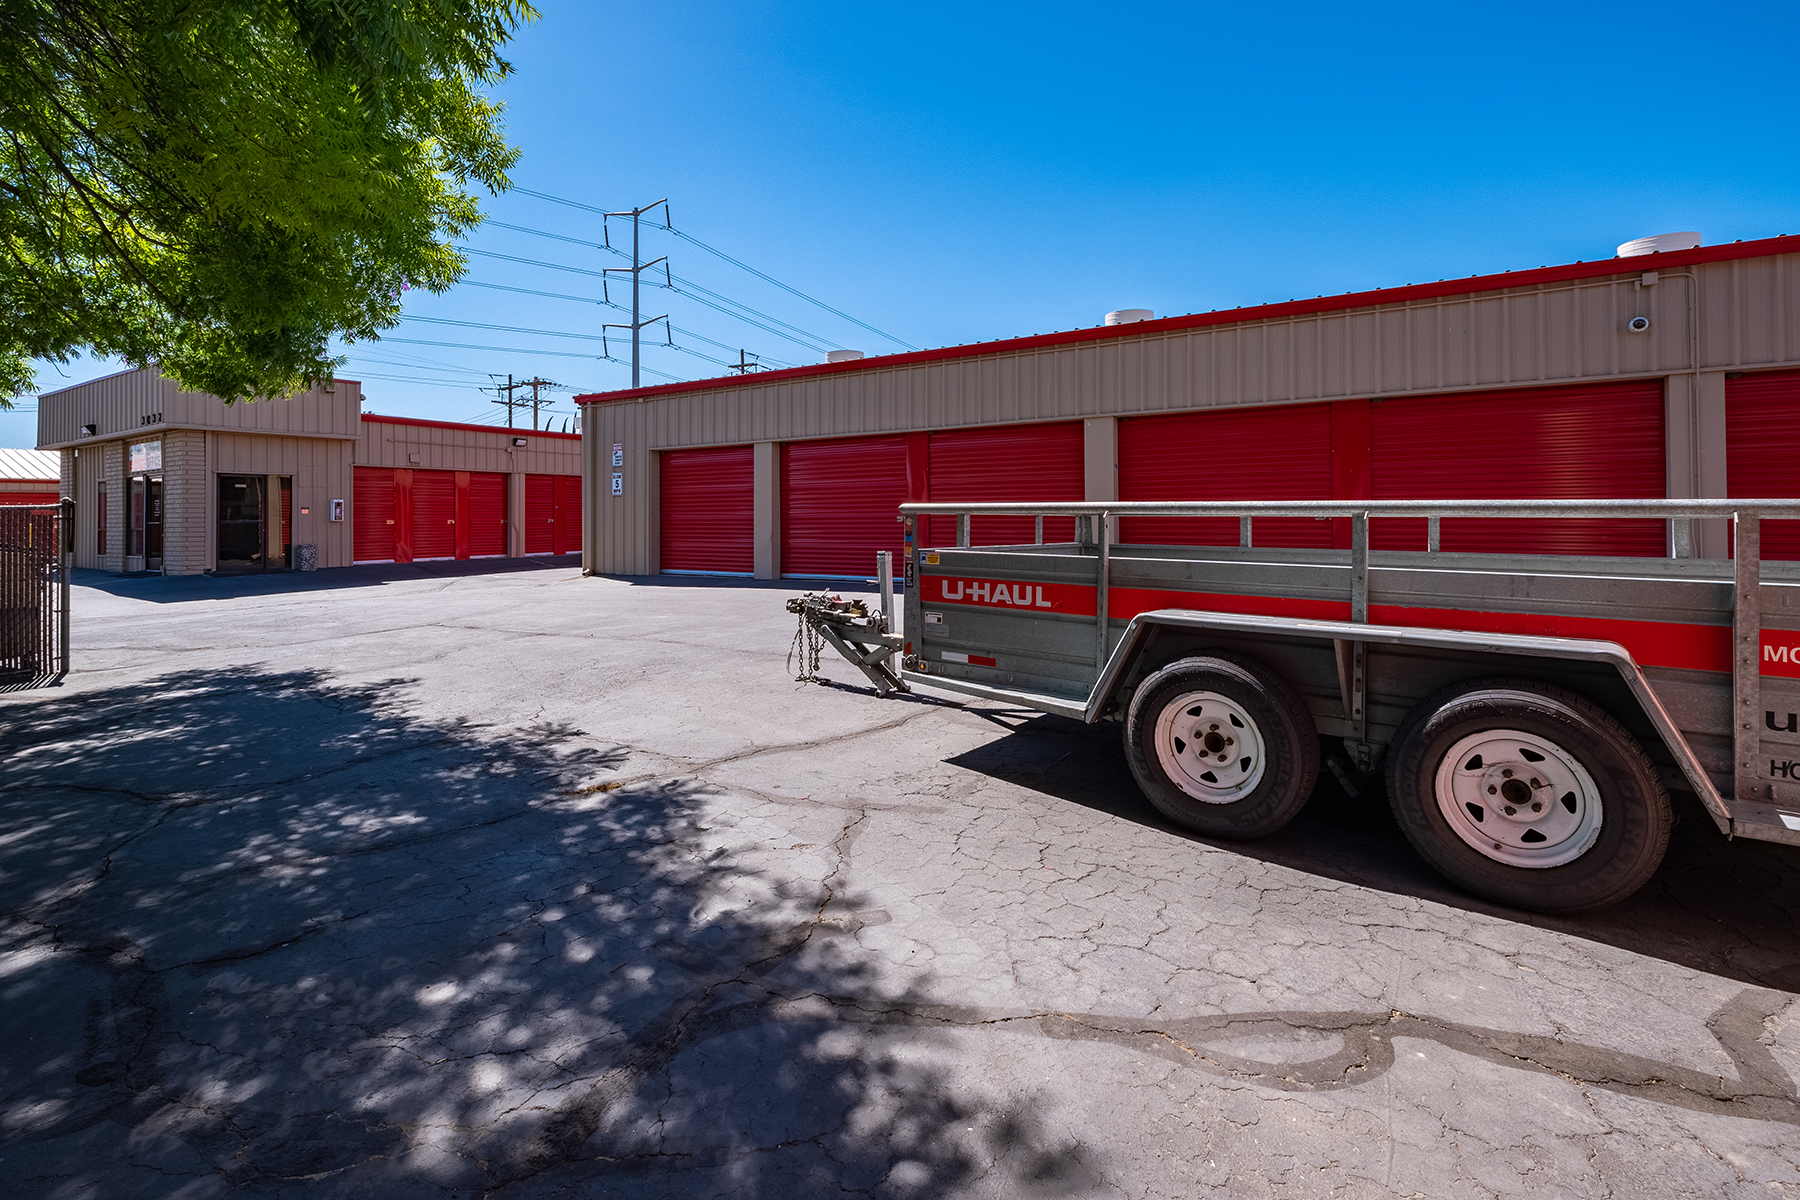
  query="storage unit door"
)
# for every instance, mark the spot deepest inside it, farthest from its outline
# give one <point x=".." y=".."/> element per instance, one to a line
<point x="372" y="514"/>
<point x="568" y="514"/>
<point x="1762" y="450"/>
<point x="434" y="514"/>
<point x="29" y="497"/>
<point x="840" y="502"/>
<point x="1281" y="453"/>
<point x="540" y="514"/>
<point x="1593" y="442"/>
<point x="706" y="511"/>
<point x="487" y="514"/>
<point x="1019" y="464"/>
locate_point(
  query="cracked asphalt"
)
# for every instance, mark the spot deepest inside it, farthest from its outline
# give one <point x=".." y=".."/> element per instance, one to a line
<point x="441" y="881"/>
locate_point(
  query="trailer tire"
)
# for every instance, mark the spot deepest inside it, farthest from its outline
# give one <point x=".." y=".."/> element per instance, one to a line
<point x="1525" y="793"/>
<point x="1225" y="792"/>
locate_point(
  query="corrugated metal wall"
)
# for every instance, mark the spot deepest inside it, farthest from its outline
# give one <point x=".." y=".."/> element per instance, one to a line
<point x="123" y="406"/>
<point x="1739" y="314"/>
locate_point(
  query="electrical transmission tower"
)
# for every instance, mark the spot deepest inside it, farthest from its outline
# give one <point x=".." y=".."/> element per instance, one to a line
<point x="534" y="404"/>
<point x="637" y="268"/>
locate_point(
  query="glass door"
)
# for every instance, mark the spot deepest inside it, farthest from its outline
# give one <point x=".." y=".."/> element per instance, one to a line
<point x="241" y="539"/>
<point x="153" y="523"/>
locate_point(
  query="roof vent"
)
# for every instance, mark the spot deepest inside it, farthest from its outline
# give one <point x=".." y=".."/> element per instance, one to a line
<point x="1129" y="316"/>
<point x="842" y="355"/>
<point x="1661" y="243"/>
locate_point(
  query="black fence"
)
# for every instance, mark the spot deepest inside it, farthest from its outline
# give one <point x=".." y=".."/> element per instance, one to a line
<point x="34" y="595"/>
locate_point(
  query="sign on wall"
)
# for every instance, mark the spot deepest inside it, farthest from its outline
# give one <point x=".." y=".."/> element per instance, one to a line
<point x="146" y="456"/>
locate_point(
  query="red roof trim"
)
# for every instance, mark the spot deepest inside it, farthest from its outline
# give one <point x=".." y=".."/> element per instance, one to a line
<point x="1761" y="248"/>
<point x="386" y="420"/>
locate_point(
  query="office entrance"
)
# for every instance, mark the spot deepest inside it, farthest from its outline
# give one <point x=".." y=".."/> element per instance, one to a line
<point x="254" y="523"/>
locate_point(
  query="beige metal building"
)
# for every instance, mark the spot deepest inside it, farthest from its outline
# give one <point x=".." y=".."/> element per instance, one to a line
<point x="1669" y="373"/>
<point x="179" y="482"/>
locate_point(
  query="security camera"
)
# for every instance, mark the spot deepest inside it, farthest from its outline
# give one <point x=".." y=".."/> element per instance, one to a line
<point x="1638" y="324"/>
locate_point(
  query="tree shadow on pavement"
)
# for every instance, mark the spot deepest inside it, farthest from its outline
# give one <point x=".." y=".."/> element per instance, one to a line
<point x="268" y="932"/>
<point x="1726" y="907"/>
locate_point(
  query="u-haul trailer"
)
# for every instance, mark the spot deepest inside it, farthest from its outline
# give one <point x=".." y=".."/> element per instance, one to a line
<point x="1531" y="709"/>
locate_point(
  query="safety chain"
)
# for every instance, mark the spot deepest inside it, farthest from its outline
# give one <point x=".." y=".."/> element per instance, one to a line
<point x="807" y="643"/>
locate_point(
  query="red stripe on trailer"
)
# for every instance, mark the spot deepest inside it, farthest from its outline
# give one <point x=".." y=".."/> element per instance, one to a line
<point x="1781" y="653"/>
<point x="1651" y="643"/>
<point x="1762" y="446"/>
<point x="706" y="510"/>
<point x="974" y="660"/>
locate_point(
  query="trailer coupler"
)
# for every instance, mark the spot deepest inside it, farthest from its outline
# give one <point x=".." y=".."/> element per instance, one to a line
<point x="852" y="630"/>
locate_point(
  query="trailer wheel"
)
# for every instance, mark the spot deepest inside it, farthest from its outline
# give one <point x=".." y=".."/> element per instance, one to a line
<point x="1528" y="794"/>
<point x="1222" y="745"/>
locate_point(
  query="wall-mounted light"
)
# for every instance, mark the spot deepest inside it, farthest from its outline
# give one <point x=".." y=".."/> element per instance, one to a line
<point x="89" y="430"/>
<point x="518" y="441"/>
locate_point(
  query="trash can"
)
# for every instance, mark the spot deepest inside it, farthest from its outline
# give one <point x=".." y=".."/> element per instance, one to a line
<point x="306" y="557"/>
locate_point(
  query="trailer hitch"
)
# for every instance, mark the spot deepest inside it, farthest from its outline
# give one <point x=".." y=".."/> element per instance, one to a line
<point x="852" y="630"/>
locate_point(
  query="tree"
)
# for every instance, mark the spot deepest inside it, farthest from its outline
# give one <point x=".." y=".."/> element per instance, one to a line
<point x="220" y="186"/>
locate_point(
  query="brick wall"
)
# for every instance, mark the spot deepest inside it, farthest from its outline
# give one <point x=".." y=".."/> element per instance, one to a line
<point x="185" y="485"/>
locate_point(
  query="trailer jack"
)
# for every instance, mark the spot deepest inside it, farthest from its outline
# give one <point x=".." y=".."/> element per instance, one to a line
<point x="850" y="629"/>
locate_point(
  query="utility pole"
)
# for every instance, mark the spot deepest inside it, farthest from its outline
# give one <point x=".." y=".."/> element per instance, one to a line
<point x="743" y="366"/>
<point x="509" y="387"/>
<point x="637" y="268"/>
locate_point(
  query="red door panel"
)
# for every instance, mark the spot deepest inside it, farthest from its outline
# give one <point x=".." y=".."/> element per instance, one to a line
<point x="1762" y="450"/>
<point x="840" y="502"/>
<point x="487" y="514"/>
<point x="1023" y="464"/>
<point x="568" y="515"/>
<point x="372" y="514"/>
<point x="540" y="514"/>
<point x="1591" y="442"/>
<point x="706" y="510"/>
<point x="1278" y="453"/>
<point x="30" y="497"/>
<point x="434" y="514"/>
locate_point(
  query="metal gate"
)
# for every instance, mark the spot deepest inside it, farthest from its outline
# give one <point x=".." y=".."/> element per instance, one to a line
<point x="34" y="592"/>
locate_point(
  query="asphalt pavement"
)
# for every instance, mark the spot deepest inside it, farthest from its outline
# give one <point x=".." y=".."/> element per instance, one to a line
<point x="456" y="880"/>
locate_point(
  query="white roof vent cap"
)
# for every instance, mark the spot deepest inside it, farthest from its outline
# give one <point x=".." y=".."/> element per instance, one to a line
<point x="1660" y="244"/>
<point x="842" y="355"/>
<point x="1129" y="316"/>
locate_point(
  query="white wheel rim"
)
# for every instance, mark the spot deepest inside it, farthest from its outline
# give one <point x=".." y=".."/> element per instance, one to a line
<point x="1518" y="798"/>
<point x="1209" y="747"/>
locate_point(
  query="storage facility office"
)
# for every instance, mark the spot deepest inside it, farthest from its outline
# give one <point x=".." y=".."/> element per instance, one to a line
<point x="179" y="482"/>
<point x="1675" y="373"/>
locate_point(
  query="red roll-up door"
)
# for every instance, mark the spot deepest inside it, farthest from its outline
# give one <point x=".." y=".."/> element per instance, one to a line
<point x="568" y="514"/>
<point x="1022" y="464"/>
<point x="540" y="514"/>
<point x="706" y="510"/>
<point x="1762" y="450"/>
<point x="372" y="514"/>
<point x="30" y="497"/>
<point x="487" y="514"/>
<point x="1279" y="453"/>
<point x="1592" y="442"/>
<point x="840" y="502"/>
<point x="434" y="514"/>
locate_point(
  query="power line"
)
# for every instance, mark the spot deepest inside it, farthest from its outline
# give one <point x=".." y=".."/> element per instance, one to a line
<point x="733" y="261"/>
<point x="756" y="318"/>
<point x="535" y="403"/>
<point x="687" y="333"/>
<point x="519" y="350"/>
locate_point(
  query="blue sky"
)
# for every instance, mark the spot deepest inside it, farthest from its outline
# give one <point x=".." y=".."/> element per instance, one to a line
<point x="957" y="173"/>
